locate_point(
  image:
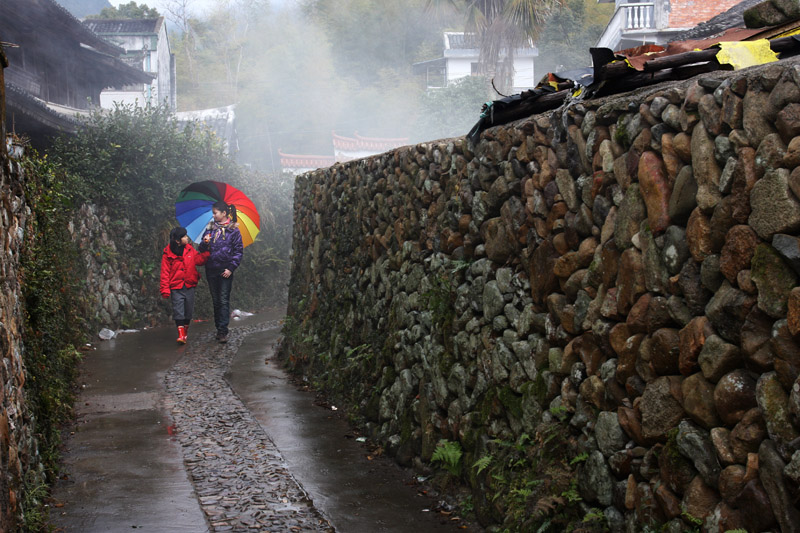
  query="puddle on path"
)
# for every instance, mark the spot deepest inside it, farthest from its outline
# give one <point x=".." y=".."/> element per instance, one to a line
<point x="120" y="468"/>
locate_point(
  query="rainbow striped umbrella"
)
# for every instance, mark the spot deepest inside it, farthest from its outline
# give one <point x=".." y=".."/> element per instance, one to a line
<point x="193" y="209"/>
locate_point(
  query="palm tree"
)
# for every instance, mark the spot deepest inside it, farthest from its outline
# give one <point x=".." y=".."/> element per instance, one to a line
<point x="502" y="26"/>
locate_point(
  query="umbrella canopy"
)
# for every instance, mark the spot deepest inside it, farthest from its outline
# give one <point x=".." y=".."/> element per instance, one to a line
<point x="193" y="209"/>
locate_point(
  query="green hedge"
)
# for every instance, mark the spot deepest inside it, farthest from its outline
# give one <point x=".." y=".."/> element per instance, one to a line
<point x="135" y="161"/>
<point x="51" y="283"/>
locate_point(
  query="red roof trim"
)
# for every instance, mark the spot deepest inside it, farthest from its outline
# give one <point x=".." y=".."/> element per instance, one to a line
<point x="305" y="161"/>
<point x="366" y="144"/>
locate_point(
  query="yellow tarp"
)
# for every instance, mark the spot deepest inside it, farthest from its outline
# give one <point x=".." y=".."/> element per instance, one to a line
<point x="742" y="54"/>
<point x="787" y="33"/>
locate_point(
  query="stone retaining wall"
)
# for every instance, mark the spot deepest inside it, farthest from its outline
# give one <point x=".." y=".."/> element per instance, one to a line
<point x="121" y="294"/>
<point x="625" y="267"/>
<point x="18" y="447"/>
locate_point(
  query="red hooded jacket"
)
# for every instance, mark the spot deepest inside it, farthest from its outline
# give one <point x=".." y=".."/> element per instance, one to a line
<point x="177" y="270"/>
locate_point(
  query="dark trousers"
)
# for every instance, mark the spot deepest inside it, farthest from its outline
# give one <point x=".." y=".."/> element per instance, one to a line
<point x="221" y="297"/>
<point x="182" y="305"/>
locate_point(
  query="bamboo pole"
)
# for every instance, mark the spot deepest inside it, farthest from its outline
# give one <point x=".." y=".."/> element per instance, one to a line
<point x="783" y="44"/>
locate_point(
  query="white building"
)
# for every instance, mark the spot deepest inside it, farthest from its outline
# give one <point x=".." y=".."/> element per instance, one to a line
<point x="221" y="121"/>
<point x="636" y="23"/>
<point x="460" y="59"/>
<point x="146" y="47"/>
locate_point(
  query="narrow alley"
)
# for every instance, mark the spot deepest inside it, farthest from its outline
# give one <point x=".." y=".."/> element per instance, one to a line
<point x="208" y="437"/>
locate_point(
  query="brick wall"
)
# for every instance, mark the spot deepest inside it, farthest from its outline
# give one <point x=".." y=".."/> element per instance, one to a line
<point x="690" y="13"/>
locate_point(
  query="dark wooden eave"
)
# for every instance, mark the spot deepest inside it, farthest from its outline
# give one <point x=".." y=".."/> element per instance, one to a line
<point x="41" y="17"/>
<point x="31" y="116"/>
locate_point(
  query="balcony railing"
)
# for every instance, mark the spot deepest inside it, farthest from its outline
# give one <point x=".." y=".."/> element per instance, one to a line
<point x="631" y="21"/>
<point x="638" y="16"/>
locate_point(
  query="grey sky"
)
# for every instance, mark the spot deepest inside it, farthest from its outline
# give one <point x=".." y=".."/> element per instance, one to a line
<point x="200" y="6"/>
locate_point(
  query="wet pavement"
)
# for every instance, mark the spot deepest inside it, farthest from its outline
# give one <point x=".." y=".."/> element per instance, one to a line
<point x="211" y="437"/>
<point x="121" y="469"/>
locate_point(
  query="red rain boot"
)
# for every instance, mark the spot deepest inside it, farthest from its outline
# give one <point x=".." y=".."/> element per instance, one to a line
<point x="182" y="334"/>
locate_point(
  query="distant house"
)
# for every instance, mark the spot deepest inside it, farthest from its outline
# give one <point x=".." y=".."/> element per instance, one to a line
<point x="460" y="57"/>
<point x="656" y="21"/>
<point x="349" y="148"/>
<point x="220" y="120"/>
<point x="146" y="47"/>
<point x="344" y="149"/>
<point x="57" y="68"/>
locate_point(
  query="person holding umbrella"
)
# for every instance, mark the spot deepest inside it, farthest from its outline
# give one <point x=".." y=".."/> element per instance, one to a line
<point x="224" y="221"/>
<point x="223" y="240"/>
<point x="179" y="277"/>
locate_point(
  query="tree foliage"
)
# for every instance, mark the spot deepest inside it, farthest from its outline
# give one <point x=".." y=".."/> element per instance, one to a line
<point x="82" y="8"/>
<point x="131" y="10"/>
<point x="135" y="160"/>
<point x="212" y="51"/>
<point x="345" y="66"/>
<point x="291" y="96"/>
<point x="368" y="37"/>
<point x="571" y="31"/>
<point x="452" y="110"/>
<point x="503" y="26"/>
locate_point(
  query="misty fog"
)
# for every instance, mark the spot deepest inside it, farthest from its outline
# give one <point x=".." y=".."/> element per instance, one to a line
<point x="300" y="70"/>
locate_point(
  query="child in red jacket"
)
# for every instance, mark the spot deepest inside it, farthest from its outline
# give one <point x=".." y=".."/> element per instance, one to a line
<point x="179" y="277"/>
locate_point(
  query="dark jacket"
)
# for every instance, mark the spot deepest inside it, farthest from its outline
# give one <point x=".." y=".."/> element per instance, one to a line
<point x="225" y="246"/>
<point x="180" y="270"/>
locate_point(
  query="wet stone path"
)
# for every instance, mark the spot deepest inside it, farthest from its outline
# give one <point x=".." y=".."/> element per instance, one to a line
<point x="239" y="476"/>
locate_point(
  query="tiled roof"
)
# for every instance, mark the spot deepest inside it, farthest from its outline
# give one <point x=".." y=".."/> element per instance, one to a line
<point x="461" y="41"/>
<point x="33" y="11"/>
<point x="732" y="18"/>
<point x="458" y="40"/>
<point x="122" y="26"/>
<point x="32" y="103"/>
<point x="366" y="144"/>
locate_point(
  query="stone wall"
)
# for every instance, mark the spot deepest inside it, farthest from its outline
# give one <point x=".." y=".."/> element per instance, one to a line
<point x="120" y="294"/>
<point x="625" y="267"/>
<point x="18" y="447"/>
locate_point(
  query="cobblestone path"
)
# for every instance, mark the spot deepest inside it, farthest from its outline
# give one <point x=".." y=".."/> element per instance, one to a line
<point x="239" y="475"/>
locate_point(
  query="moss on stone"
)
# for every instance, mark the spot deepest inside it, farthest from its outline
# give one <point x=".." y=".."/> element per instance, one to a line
<point x="486" y="406"/>
<point x="389" y="376"/>
<point x="445" y="362"/>
<point x="621" y="133"/>
<point x="406" y="426"/>
<point x="511" y="401"/>
<point x="774" y="279"/>
<point x="372" y="407"/>
<point x="538" y="388"/>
